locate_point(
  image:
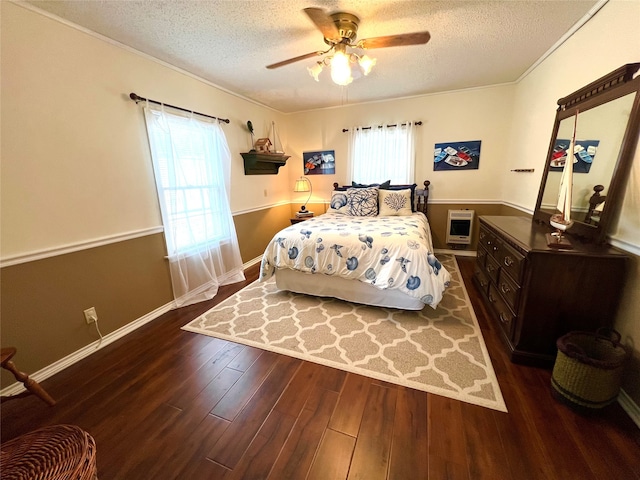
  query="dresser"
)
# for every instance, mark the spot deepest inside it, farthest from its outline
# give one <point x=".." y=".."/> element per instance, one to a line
<point x="536" y="294"/>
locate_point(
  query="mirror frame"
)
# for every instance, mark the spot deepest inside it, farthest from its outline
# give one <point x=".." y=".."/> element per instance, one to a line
<point x="614" y="85"/>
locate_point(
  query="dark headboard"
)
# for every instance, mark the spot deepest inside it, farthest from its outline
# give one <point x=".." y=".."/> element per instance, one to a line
<point x="419" y="196"/>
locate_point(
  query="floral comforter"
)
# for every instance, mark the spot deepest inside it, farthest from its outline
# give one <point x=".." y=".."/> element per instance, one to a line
<point x="388" y="252"/>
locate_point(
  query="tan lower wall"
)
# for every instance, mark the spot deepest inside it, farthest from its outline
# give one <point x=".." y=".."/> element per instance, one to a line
<point x="438" y="215"/>
<point x="256" y="229"/>
<point x="43" y="301"/>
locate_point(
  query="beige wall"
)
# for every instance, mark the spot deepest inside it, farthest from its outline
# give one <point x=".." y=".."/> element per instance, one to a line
<point x="481" y="114"/>
<point x="74" y="147"/>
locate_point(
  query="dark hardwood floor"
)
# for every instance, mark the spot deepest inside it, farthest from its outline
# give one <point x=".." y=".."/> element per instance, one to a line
<point x="167" y="404"/>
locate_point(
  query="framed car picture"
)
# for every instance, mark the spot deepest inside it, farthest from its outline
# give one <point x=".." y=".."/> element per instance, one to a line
<point x="584" y="152"/>
<point x="457" y="155"/>
<point x="319" y="163"/>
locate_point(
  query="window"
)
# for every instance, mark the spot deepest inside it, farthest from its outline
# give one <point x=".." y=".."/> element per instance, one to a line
<point x="377" y="154"/>
<point x="191" y="161"/>
<point x="188" y="156"/>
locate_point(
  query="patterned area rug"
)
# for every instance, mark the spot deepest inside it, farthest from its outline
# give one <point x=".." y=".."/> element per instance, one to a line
<point x="438" y="351"/>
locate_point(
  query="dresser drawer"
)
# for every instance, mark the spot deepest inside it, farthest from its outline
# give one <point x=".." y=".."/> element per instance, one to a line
<point x="509" y="290"/>
<point x="492" y="267"/>
<point x="481" y="279"/>
<point x="504" y="313"/>
<point x="487" y="239"/>
<point x="481" y="257"/>
<point x="510" y="260"/>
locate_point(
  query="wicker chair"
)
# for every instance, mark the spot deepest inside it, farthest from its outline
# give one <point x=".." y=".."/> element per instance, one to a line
<point x="60" y="452"/>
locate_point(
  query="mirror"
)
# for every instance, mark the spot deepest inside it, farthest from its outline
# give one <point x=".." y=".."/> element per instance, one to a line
<point x="606" y="137"/>
<point x="599" y="136"/>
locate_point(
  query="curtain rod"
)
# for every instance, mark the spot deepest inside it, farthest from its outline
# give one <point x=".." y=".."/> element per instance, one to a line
<point x="380" y="126"/>
<point x="137" y="98"/>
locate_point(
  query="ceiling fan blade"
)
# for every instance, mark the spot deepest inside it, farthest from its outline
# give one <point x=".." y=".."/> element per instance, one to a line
<point x="324" y="23"/>
<point x="294" y="59"/>
<point x="403" y="39"/>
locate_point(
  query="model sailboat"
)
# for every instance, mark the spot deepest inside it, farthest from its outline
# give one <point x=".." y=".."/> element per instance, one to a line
<point x="260" y="160"/>
<point x="562" y="221"/>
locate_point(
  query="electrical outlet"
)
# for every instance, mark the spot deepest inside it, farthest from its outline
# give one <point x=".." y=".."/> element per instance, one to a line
<point x="90" y="315"/>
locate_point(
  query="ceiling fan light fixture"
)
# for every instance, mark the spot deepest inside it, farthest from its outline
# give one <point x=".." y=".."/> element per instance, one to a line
<point x="366" y="63"/>
<point x="315" y="71"/>
<point x="340" y="31"/>
<point x="341" y="68"/>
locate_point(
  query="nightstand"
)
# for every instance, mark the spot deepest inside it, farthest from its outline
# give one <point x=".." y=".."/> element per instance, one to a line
<point x="295" y="220"/>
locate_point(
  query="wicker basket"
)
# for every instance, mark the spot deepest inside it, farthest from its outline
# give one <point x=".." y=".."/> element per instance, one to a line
<point x="588" y="369"/>
<point x="61" y="452"/>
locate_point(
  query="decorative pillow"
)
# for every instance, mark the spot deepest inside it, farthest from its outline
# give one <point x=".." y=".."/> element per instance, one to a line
<point x="395" y="202"/>
<point x="339" y="202"/>
<point x="344" y="188"/>
<point x="404" y="187"/>
<point x="383" y="185"/>
<point x="363" y="202"/>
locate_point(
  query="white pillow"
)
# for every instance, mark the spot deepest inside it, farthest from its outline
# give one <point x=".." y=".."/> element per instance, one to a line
<point x="356" y="202"/>
<point x="363" y="202"/>
<point x="395" y="202"/>
<point x="339" y="202"/>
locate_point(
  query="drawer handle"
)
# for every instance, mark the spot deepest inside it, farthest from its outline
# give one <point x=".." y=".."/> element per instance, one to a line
<point x="491" y="299"/>
<point x="483" y="283"/>
<point x="508" y="261"/>
<point x="495" y="249"/>
<point x="504" y="318"/>
<point x="490" y="268"/>
<point x="505" y="288"/>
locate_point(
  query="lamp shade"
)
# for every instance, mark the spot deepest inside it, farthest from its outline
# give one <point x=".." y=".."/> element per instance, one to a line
<point x="366" y="63"/>
<point x="315" y="71"/>
<point x="302" y="185"/>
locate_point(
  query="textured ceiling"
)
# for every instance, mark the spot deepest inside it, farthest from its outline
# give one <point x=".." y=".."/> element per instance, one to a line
<point x="229" y="43"/>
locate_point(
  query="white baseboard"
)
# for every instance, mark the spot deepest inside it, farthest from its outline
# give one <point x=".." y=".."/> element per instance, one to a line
<point x="629" y="406"/>
<point x="252" y="262"/>
<point x="459" y="253"/>
<point x="84" y="352"/>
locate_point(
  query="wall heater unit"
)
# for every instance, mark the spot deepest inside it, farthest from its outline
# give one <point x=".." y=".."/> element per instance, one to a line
<point x="460" y="226"/>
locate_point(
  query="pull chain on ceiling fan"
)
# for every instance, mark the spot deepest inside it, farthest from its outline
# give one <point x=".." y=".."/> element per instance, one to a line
<point x="340" y="30"/>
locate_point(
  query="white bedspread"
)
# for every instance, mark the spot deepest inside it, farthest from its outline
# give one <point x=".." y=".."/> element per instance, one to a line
<point x="388" y="252"/>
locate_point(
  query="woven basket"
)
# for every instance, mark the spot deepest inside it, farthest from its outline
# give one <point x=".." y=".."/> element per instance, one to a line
<point x="61" y="452"/>
<point x="588" y="369"/>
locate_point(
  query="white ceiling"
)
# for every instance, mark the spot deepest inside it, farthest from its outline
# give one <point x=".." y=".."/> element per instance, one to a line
<point x="229" y="42"/>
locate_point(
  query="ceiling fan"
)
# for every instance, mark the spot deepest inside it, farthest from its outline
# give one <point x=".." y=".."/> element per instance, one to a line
<point x="340" y="30"/>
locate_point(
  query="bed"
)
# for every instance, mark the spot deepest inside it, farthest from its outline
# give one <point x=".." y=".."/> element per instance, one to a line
<point x="373" y="246"/>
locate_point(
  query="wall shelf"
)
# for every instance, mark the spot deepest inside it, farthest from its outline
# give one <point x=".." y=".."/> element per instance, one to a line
<point x="260" y="163"/>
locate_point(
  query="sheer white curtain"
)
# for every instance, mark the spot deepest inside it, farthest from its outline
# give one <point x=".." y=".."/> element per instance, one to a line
<point x="191" y="162"/>
<point x="378" y="154"/>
